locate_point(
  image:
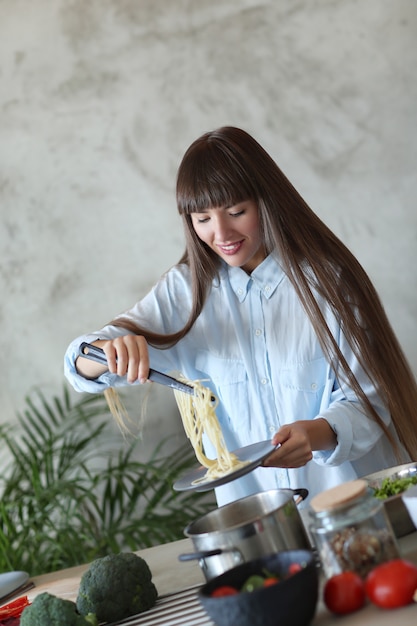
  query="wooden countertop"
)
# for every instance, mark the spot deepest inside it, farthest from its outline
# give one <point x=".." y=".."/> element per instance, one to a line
<point x="171" y="575"/>
<point x="168" y="573"/>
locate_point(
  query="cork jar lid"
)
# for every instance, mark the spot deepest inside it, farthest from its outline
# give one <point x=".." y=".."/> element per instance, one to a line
<point x="339" y="496"/>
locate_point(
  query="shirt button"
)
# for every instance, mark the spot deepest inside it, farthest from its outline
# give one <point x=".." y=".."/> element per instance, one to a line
<point x="258" y="332"/>
<point x="272" y="429"/>
<point x="267" y="289"/>
<point x="264" y="381"/>
<point x="314" y="386"/>
<point x="239" y="292"/>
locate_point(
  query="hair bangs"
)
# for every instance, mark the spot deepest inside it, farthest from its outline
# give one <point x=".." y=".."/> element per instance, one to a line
<point x="211" y="176"/>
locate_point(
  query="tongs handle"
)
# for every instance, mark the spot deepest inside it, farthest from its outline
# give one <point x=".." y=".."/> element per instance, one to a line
<point x="94" y="353"/>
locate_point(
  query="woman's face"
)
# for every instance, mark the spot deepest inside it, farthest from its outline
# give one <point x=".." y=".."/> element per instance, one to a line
<point x="233" y="233"/>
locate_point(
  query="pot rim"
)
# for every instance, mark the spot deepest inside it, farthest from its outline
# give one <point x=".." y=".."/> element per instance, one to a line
<point x="188" y="531"/>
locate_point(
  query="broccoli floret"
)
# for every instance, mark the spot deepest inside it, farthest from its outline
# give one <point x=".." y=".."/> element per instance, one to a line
<point x="47" y="609"/>
<point x="115" y="587"/>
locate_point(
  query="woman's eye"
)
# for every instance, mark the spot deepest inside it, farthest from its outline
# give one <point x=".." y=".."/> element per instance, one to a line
<point x="237" y="213"/>
<point x="202" y="220"/>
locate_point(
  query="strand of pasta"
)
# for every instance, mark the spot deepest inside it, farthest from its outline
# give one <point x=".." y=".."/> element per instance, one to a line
<point x="198" y="414"/>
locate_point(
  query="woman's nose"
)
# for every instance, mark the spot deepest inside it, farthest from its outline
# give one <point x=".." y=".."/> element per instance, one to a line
<point x="221" y="229"/>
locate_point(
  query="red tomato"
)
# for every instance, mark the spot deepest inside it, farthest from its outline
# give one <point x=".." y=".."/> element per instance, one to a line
<point x="225" y="590"/>
<point x="392" y="584"/>
<point x="344" y="593"/>
<point x="270" y="581"/>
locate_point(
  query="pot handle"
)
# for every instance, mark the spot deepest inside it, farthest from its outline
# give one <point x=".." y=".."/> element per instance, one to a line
<point x="301" y="493"/>
<point x="192" y="556"/>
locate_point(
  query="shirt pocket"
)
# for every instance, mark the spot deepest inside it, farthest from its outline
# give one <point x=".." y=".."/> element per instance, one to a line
<point x="221" y="371"/>
<point x="229" y="382"/>
<point x="303" y="385"/>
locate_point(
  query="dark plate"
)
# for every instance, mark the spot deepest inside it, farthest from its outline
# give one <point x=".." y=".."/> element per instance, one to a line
<point x="254" y="454"/>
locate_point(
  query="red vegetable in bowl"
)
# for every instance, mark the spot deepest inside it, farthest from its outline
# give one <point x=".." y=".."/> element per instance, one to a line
<point x="224" y="590"/>
<point x="257" y="581"/>
<point x="392" y="584"/>
<point x="294" y="568"/>
<point x="344" y="593"/>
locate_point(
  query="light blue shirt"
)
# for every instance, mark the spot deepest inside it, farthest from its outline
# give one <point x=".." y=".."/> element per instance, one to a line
<point x="255" y="347"/>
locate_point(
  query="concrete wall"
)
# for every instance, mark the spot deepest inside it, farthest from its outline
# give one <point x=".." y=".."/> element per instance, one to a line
<point x="100" y="98"/>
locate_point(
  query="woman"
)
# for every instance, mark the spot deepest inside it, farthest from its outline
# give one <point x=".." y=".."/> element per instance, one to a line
<point x="273" y="311"/>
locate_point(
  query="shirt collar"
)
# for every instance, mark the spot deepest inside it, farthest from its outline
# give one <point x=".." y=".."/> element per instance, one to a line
<point x="266" y="278"/>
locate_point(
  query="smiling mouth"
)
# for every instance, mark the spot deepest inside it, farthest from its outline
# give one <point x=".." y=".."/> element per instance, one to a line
<point x="231" y="248"/>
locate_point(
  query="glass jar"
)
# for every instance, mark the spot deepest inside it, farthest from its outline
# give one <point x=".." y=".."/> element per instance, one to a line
<point x="351" y="530"/>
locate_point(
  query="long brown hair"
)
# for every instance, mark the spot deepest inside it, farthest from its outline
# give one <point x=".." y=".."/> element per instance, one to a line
<point x="228" y="166"/>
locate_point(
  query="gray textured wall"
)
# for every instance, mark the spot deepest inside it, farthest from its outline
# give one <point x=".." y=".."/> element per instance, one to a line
<point x="100" y="99"/>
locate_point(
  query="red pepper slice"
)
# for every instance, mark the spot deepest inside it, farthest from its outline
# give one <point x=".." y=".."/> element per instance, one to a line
<point x="14" y="608"/>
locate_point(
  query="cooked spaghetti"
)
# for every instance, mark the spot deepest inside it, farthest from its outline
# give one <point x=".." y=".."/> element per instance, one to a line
<point x="198" y="414"/>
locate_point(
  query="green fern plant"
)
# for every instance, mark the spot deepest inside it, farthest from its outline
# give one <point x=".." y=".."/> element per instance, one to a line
<point x="67" y="497"/>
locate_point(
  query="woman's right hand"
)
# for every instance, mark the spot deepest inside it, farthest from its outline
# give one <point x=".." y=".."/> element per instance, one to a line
<point x="126" y="356"/>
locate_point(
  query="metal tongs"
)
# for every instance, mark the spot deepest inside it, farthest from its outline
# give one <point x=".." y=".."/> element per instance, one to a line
<point x="94" y="353"/>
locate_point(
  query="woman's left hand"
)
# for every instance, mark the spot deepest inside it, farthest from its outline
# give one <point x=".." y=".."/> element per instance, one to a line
<point x="294" y="449"/>
<point x="297" y="442"/>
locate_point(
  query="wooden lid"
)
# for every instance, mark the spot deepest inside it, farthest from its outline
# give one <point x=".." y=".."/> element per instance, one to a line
<point x="338" y="496"/>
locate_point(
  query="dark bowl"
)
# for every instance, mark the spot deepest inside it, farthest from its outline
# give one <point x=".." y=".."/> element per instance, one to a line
<point x="291" y="602"/>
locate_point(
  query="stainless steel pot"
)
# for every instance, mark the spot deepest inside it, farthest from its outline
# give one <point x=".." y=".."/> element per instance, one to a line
<point x="258" y="525"/>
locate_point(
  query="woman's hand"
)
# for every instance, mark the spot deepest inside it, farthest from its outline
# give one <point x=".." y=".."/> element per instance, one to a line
<point x="297" y="442"/>
<point x="126" y="356"/>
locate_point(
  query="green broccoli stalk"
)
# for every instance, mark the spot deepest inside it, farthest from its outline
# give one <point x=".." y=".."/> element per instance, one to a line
<point x="115" y="587"/>
<point x="53" y="611"/>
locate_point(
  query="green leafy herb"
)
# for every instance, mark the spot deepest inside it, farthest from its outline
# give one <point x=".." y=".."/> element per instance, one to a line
<point x="394" y="486"/>
<point x="71" y="490"/>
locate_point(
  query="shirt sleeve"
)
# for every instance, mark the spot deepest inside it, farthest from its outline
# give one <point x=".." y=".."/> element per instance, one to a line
<point x="78" y="382"/>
